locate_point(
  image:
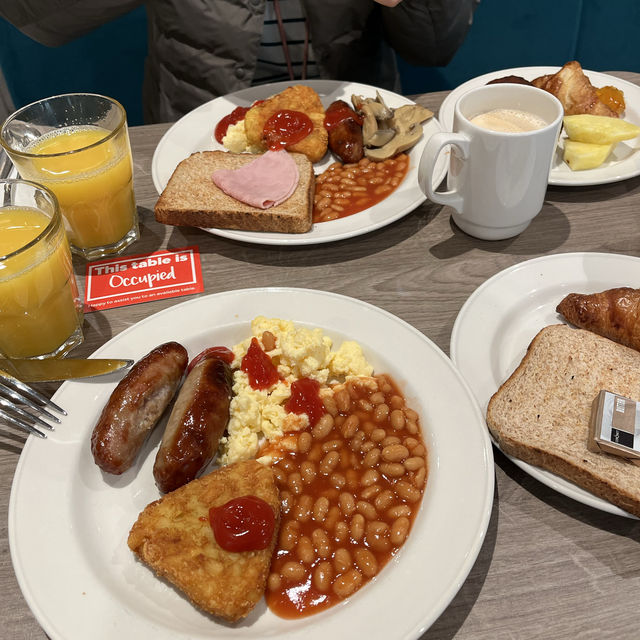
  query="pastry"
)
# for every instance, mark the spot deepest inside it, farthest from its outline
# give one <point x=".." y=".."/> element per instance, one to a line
<point x="574" y="91"/>
<point x="614" y="314"/>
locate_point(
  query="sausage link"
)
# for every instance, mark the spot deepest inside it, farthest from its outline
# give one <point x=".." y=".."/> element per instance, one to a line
<point x="345" y="136"/>
<point x="135" y="407"/>
<point x="195" y="426"/>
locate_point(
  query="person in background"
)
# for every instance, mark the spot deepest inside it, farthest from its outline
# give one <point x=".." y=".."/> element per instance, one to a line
<point x="199" y="49"/>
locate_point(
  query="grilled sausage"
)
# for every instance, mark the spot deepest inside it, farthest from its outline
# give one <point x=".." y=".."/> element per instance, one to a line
<point x="196" y="424"/>
<point x="136" y="405"/>
<point x="345" y="132"/>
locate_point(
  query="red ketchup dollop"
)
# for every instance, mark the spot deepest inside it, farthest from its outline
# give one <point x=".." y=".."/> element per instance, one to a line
<point x="335" y="115"/>
<point x="243" y="524"/>
<point x="305" y="398"/>
<point x="258" y="366"/>
<point x="233" y="118"/>
<point x="212" y="352"/>
<point x="286" y="127"/>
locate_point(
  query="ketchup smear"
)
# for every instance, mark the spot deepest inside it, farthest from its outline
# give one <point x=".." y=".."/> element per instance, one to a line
<point x="258" y="366"/>
<point x="243" y="524"/>
<point x="339" y="113"/>
<point x="233" y="118"/>
<point x="286" y="127"/>
<point x="212" y="352"/>
<point x="306" y="399"/>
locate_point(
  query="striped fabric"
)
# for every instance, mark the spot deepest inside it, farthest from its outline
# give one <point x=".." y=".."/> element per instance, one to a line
<point x="272" y="61"/>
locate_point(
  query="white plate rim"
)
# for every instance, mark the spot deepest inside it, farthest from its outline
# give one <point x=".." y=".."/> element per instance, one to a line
<point x="561" y="175"/>
<point x="403" y="201"/>
<point x="477" y="499"/>
<point x="479" y="314"/>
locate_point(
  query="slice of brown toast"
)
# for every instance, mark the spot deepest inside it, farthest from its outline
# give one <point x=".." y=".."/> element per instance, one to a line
<point x="173" y="536"/>
<point x="541" y="413"/>
<point x="192" y="199"/>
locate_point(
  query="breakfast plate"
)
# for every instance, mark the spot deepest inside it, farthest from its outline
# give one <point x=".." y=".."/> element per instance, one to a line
<point x="194" y="132"/>
<point x="624" y="161"/>
<point x="498" y="321"/>
<point x="68" y="523"/>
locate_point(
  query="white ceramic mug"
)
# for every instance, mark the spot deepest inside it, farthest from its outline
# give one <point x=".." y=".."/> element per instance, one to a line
<point x="496" y="180"/>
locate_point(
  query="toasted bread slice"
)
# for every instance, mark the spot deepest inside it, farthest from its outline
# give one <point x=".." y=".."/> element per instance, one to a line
<point x="192" y="199"/>
<point x="297" y="98"/>
<point x="541" y="413"/>
<point x="173" y="536"/>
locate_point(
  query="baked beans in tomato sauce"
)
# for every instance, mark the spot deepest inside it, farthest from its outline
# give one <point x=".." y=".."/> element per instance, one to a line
<point x="345" y="189"/>
<point x="350" y="488"/>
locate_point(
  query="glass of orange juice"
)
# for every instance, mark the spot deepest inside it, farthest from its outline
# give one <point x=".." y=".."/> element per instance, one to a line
<point x="40" y="309"/>
<point x="77" y="145"/>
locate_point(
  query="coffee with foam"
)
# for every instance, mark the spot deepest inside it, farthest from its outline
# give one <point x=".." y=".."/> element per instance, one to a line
<point x="509" y="121"/>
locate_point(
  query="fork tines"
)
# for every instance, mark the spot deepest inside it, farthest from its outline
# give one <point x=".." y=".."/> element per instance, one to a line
<point x="13" y="393"/>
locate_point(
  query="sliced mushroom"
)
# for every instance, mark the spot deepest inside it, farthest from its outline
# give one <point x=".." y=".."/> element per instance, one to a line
<point x="399" y="143"/>
<point x="369" y="124"/>
<point x="377" y="106"/>
<point x="380" y="100"/>
<point x="387" y="132"/>
<point x="409" y="114"/>
<point x="356" y="101"/>
<point x="406" y="123"/>
<point x="380" y="137"/>
<point x="374" y="115"/>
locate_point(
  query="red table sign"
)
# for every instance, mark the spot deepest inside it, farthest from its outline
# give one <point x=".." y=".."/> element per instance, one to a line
<point x="118" y="282"/>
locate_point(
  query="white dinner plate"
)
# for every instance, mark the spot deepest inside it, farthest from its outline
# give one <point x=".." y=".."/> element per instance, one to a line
<point x="194" y="132"/>
<point x="68" y="523"/>
<point x="624" y="161"/>
<point x="498" y="321"/>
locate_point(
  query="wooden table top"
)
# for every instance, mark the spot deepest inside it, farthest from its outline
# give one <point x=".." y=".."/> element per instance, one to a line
<point x="549" y="567"/>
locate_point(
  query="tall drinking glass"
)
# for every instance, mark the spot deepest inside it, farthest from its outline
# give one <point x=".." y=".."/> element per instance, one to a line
<point x="40" y="309"/>
<point x="78" y="146"/>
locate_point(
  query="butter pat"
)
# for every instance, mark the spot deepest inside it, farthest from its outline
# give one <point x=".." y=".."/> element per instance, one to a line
<point x="615" y="426"/>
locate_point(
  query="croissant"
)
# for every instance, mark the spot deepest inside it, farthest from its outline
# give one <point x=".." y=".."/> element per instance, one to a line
<point x="574" y="90"/>
<point x="614" y="314"/>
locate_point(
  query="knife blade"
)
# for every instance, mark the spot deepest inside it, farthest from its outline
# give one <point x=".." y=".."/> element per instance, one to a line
<point x="53" y="370"/>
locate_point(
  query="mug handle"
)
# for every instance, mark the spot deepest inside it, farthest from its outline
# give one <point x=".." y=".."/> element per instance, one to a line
<point x="428" y="162"/>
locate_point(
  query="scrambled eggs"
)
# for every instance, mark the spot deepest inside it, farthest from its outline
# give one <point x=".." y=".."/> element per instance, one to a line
<point x="236" y="141"/>
<point x="299" y="352"/>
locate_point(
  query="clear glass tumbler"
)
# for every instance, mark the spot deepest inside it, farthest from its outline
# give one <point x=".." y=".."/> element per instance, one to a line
<point x="78" y="146"/>
<point x="40" y="308"/>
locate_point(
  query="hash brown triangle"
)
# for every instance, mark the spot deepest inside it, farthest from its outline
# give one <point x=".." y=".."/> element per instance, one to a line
<point x="173" y="536"/>
<point x="296" y="98"/>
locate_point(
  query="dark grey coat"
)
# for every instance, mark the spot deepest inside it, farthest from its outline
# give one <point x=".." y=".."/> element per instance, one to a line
<point x="200" y="49"/>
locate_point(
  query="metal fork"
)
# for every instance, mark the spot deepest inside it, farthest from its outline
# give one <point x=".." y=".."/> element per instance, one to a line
<point x="13" y="393"/>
